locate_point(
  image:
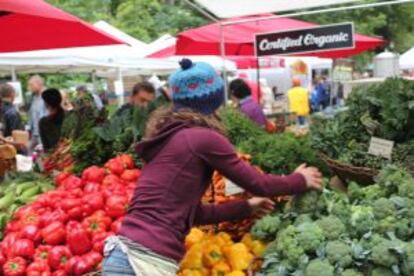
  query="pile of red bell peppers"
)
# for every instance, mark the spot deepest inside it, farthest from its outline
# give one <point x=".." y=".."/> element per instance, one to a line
<point x="63" y="231"/>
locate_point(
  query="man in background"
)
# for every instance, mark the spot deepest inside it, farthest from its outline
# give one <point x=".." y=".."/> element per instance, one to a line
<point x="143" y="93"/>
<point x="82" y="91"/>
<point x="241" y="94"/>
<point x="37" y="108"/>
<point x="299" y="101"/>
<point x="10" y="116"/>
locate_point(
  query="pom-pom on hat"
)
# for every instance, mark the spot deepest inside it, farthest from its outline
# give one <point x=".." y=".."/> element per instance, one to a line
<point x="197" y="86"/>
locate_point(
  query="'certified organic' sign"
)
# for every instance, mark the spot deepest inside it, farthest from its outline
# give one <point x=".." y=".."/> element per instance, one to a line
<point x="317" y="39"/>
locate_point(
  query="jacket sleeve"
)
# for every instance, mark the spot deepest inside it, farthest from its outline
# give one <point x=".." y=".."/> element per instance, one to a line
<point x="217" y="152"/>
<point x="217" y="213"/>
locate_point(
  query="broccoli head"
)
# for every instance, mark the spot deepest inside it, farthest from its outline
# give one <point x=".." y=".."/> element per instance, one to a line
<point x="383" y="207"/>
<point x="382" y="271"/>
<point x="355" y="192"/>
<point x="339" y="254"/>
<point x="351" y="272"/>
<point x="404" y="229"/>
<point x="318" y="267"/>
<point x="362" y="219"/>
<point x="266" y="227"/>
<point x="386" y="225"/>
<point x="370" y="242"/>
<point x="303" y="218"/>
<point x="307" y="203"/>
<point x="406" y="188"/>
<point x="407" y="266"/>
<point x="338" y="206"/>
<point x="331" y="226"/>
<point x="373" y="192"/>
<point x="385" y="253"/>
<point x="287" y="245"/>
<point x="391" y="177"/>
<point x="310" y="236"/>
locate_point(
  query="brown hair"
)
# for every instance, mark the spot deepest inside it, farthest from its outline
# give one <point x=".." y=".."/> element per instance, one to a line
<point x="143" y="86"/>
<point x="166" y="115"/>
<point x="6" y="90"/>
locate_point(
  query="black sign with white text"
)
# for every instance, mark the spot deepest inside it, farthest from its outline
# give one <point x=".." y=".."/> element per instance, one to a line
<point x="317" y="39"/>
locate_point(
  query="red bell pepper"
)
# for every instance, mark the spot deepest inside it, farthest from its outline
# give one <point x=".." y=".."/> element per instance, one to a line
<point x="103" y="217"/>
<point x="42" y="253"/>
<point x="15" y="267"/>
<point x="54" y="233"/>
<point x="98" y="241"/>
<point x="79" y="266"/>
<point x="116" y="206"/>
<point x="31" y="232"/>
<point x="69" y="203"/>
<point x="2" y="261"/>
<point x="59" y="257"/>
<point x="115" y="166"/>
<point x="93" y="258"/>
<point x="60" y="272"/>
<point x="93" y="174"/>
<point x="60" y="178"/>
<point x="94" y="225"/>
<point x="8" y="243"/>
<point x="77" y="238"/>
<point x="111" y="179"/>
<point x="71" y="183"/>
<point x="116" y="225"/>
<point x="55" y="216"/>
<point x="38" y="268"/>
<point x="94" y="200"/>
<point x="30" y="218"/>
<point x="23" y="248"/>
<point x="130" y="175"/>
<point x="91" y="187"/>
<point x="127" y="161"/>
<point x="13" y="226"/>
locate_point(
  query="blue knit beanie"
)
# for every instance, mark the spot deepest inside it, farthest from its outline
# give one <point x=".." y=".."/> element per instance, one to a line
<point x="197" y="86"/>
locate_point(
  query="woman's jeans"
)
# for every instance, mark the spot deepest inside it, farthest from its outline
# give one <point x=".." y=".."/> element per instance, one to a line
<point x="116" y="264"/>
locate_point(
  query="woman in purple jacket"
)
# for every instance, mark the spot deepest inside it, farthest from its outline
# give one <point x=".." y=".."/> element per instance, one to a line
<point x="183" y="145"/>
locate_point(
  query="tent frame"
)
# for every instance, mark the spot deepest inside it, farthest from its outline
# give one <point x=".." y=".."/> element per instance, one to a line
<point x="222" y="24"/>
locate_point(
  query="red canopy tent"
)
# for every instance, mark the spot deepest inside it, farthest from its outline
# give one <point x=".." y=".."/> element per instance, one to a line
<point x="239" y="38"/>
<point x="34" y="25"/>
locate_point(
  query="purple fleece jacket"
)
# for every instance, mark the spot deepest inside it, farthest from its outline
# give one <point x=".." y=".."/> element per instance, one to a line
<point x="179" y="165"/>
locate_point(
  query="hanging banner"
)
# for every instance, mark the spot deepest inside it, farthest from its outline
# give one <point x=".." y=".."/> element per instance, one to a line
<point x="315" y="39"/>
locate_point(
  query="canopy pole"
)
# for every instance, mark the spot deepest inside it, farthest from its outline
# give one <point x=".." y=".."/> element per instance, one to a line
<point x="223" y="57"/>
<point x="13" y="74"/>
<point x="94" y="85"/>
<point x="120" y="87"/>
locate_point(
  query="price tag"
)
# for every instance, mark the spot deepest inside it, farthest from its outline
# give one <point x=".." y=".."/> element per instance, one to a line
<point x="381" y="147"/>
<point x="231" y="188"/>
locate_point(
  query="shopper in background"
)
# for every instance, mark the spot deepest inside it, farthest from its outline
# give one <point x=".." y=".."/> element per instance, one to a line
<point x="183" y="145"/>
<point x="51" y="125"/>
<point x="299" y="101"/>
<point x="11" y="119"/>
<point x="143" y="93"/>
<point x="241" y="94"/>
<point x="83" y="91"/>
<point x="37" y="109"/>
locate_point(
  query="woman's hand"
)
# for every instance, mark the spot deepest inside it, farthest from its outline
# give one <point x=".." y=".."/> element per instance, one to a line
<point x="261" y="206"/>
<point x="312" y="176"/>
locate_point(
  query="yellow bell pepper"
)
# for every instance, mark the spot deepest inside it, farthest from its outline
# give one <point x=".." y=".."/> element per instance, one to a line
<point x="239" y="256"/>
<point x="236" y="273"/>
<point x="258" y="247"/>
<point x="211" y="254"/>
<point x="223" y="239"/>
<point x="190" y="272"/>
<point x="193" y="259"/>
<point x="220" y="269"/>
<point x="248" y="241"/>
<point x="195" y="236"/>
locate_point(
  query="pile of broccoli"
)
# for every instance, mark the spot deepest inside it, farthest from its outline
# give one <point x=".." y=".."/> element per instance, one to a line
<point x="367" y="232"/>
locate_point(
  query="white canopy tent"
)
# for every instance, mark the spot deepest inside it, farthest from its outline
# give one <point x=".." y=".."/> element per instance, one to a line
<point x="115" y="32"/>
<point x="407" y="60"/>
